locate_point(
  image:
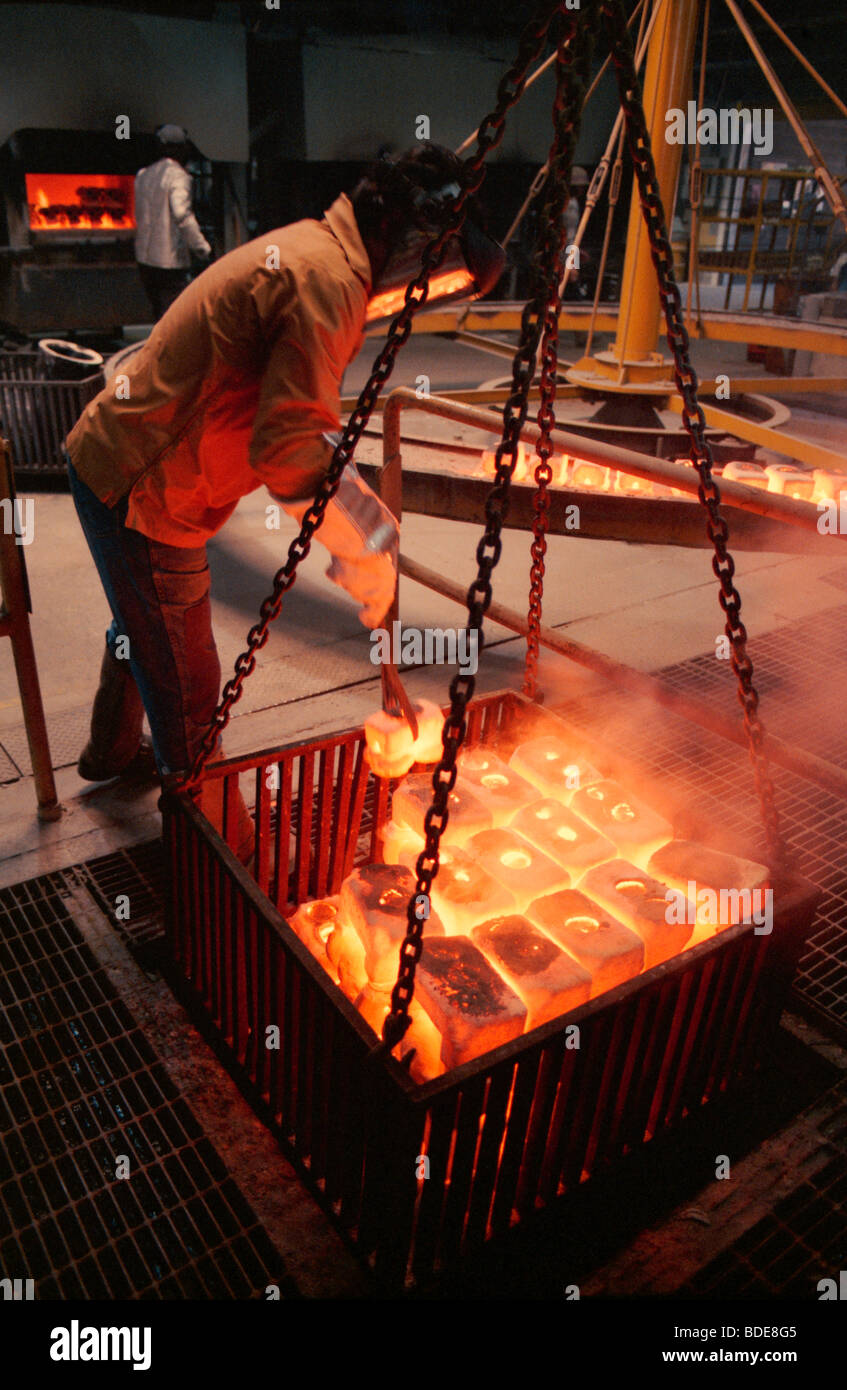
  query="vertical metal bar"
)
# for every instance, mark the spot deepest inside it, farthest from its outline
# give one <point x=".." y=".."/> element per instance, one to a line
<point x="360" y="783"/>
<point x="263" y="827"/>
<point x="14" y="610"/>
<point x="303" y="857"/>
<point x="326" y="768"/>
<point x="282" y="846"/>
<point x="343" y="792"/>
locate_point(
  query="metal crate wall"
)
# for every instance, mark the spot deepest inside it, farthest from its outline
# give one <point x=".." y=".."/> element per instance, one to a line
<point x="37" y="412"/>
<point x="505" y="1134"/>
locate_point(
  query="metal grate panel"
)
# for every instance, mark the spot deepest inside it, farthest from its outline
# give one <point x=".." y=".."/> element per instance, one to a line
<point x="137" y="873"/>
<point x="80" y="1086"/>
<point x="803" y="1239"/>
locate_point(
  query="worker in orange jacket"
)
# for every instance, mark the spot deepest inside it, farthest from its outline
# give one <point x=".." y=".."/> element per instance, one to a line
<point x="237" y="386"/>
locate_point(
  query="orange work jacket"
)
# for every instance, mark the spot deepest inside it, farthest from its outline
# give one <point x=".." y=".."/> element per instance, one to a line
<point x="235" y="386"/>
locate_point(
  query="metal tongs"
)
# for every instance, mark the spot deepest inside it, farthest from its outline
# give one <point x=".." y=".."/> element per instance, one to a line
<point x="395" y="701"/>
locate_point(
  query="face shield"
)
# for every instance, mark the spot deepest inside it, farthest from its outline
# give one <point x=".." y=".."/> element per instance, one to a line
<point x="471" y="266"/>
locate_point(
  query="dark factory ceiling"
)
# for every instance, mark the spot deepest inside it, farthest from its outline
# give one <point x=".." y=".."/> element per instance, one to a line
<point x="815" y="22"/>
<point x="817" y="27"/>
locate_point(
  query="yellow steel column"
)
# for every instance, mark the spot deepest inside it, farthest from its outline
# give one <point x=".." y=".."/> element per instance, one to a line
<point x="633" y="362"/>
<point x="667" y="83"/>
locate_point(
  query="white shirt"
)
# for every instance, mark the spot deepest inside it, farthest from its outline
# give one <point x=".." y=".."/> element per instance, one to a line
<point x="166" y="228"/>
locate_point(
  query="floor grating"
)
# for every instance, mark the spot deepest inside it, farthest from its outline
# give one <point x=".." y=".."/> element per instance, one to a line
<point x="802" y="1239"/>
<point x="109" y="1187"/>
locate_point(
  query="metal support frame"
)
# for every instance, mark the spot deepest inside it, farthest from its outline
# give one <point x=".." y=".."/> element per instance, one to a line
<point x="788" y="509"/>
<point x="14" y="623"/>
<point x="770" y="330"/>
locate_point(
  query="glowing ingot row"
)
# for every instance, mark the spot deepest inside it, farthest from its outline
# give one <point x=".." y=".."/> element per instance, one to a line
<point x="390" y="746"/>
<point x="499" y="787"/>
<point x="608" y="950"/>
<point x="548" y="980"/>
<point x="642" y="902"/>
<point x="552" y="767"/>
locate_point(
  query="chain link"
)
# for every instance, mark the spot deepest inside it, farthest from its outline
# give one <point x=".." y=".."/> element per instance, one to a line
<point x="574" y="29"/>
<point x="693" y="418"/>
<point x="548" y="268"/>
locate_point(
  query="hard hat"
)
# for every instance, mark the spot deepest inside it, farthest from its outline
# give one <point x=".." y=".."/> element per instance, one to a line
<point x="579" y="177"/>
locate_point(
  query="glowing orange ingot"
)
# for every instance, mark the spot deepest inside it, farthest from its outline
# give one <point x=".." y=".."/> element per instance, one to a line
<point x="631" y="485"/>
<point x="314" y="923"/>
<point x="347" y="956"/>
<point x="591" y="476"/>
<point x="428" y="747"/>
<point x="644" y="904"/>
<point x="466" y="813"/>
<point x="548" y="980"/>
<point x="633" y="825"/>
<point x="463" y="893"/>
<point x="400" y="845"/>
<point x="500" y="787"/>
<point x="745" y="471"/>
<point x="828" y="485"/>
<point x="552" y="767"/>
<point x="730" y="879"/>
<point x="375" y="899"/>
<point x="518" y="865"/>
<point x="488" y="463"/>
<point x="389" y="744"/>
<point x="792" y="482"/>
<point x="608" y="950"/>
<point x="468" y="1002"/>
<point x="563" y="836"/>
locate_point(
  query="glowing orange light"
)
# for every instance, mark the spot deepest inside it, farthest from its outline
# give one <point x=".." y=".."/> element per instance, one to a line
<point x="81" y="202"/>
<point x="390" y="302"/>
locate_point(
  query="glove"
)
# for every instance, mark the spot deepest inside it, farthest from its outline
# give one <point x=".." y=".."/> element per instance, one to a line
<point x="363" y="538"/>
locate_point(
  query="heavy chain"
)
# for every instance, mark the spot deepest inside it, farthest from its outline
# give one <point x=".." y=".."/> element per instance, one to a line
<point x="693" y="418"/>
<point x="548" y="278"/>
<point x="575" y="29"/>
<point x="488" y="137"/>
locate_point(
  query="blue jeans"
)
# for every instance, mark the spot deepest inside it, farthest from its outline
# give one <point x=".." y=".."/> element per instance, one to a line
<point x="160" y="600"/>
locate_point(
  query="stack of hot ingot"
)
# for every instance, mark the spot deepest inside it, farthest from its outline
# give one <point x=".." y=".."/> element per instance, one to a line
<point x="553" y="887"/>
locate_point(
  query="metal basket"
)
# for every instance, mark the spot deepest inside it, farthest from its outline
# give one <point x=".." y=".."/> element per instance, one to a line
<point x="505" y="1134"/>
<point x="38" y="411"/>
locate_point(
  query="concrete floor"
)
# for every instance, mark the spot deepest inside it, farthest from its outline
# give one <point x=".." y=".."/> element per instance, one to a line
<point x="649" y="606"/>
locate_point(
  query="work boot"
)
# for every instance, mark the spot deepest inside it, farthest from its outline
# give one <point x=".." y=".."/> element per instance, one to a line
<point x="114" y="743"/>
